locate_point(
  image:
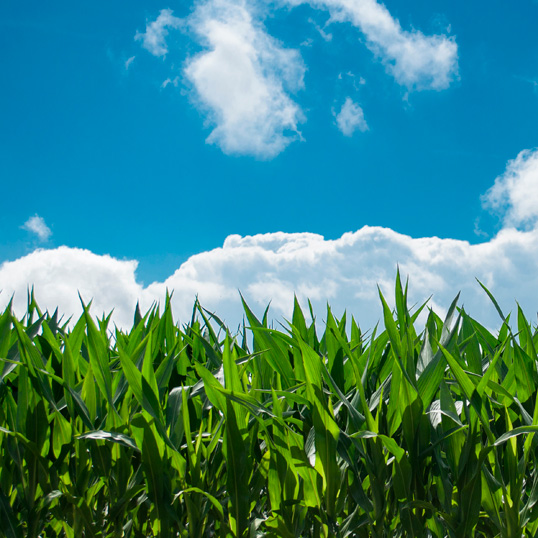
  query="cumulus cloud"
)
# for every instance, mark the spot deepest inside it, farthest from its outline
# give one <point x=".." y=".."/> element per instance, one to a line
<point x="243" y="81"/>
<point x="415" y="60"/>
<point x="60" y="274"/>
<point x="351" y="118"/>
<point x="344" y="272"/>
<point x="515" y="193"/>
<point x="272" y="267"/>
<point x="36" y="225"/>
<point x="154" y="38"/>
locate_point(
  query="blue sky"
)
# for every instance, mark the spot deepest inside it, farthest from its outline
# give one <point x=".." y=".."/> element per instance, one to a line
<point x="153" y="131"/>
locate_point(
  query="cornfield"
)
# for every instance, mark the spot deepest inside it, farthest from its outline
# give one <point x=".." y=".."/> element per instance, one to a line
<point x="194" y="431"/>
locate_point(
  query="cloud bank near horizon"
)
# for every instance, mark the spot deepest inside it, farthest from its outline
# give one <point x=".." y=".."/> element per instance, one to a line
<point x="272" y="267"/>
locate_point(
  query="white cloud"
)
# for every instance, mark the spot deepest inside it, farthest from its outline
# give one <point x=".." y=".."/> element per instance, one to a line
<point x="351" y="118"/>
<point x="325" y="35"/>
<point x="59" y="274"/>
<point x="272" y="267"/>
<point x="515" y="193"/>
<point x="36" y="225"/>
<point x="243" y="81"/>
<point x="174" y="82"/>
<point x="129" y="61"/>
<point x="415" y="60"/>
<point x="154" y="38"/>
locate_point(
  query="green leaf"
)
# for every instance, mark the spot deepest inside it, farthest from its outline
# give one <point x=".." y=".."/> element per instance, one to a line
<point x="326" y="429"/>
<point x="10" y="525"/>
<point x="391" y="327"/>
<point x="494" y="301"/>
<point x="238" y="470"/>
<point x="98" y="352"/>
<point x="211" y="387"/>
<point x="142" y="390"/>
<point x="212" y="500"/>
<point x="274" y="352"/>
<point x="113" y="437"/>
<point x="469" y="390"/>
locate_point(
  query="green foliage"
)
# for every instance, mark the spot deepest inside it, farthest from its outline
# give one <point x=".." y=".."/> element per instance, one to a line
<point x="193" y="432"/>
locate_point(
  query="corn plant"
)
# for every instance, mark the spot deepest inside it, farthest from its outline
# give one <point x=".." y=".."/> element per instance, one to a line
<point x="194" y="431"/>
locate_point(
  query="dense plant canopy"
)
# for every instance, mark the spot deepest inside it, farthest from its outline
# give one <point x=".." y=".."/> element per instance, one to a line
<point x="192" y="431"/>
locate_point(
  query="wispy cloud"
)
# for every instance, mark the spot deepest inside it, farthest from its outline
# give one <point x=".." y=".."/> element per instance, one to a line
<point x="327" y="36"/>
<point x="514" y="194"/>
<point x="174" y="82"/>
<point x="351" y="118"/>
<point x="129" y="61"/>
<point x="37" y="226"/>
<point x="415" y="60"/>
<point x="154" y="38"/>
<point x="532" y="81"/>
<point x="242" y="81"/>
